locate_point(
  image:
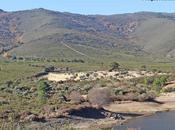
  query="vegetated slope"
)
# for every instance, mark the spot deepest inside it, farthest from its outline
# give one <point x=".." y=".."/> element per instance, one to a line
<point x="64" y="35"/>
<point x="9" y="36"/>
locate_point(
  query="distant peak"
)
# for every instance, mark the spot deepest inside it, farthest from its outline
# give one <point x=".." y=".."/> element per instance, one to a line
<point x="41" y="9"/>
<point x="1" y="10"/>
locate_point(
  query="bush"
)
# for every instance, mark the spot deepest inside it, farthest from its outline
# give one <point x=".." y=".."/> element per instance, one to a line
<point x="118" y="91"/>
<point x="49" y="69"/>
<point x="143" y="67"/>
<point x="131" y="97"/>
<point x="136" y="97"/>
<point x="148" y="80"/>
<point x="42" y="91"/>
<point x="169" y="89"/>
<point x="159" y="83"/>
<point x="146" y="97"/>
<point x="114" y="66"/>
<point x="76" y="97"/>
<point x="99" y="96"/>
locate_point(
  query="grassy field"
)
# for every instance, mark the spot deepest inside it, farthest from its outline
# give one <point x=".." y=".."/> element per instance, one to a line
<point x="15" y="70"/>
<point x="21" y="95"/>
<point x="11" y="70"/>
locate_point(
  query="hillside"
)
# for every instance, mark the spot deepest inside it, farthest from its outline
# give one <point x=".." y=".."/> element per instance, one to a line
<point x="45" y="33"/>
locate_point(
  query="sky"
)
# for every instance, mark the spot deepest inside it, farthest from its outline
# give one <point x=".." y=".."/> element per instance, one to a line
<point x="91" y="6"/>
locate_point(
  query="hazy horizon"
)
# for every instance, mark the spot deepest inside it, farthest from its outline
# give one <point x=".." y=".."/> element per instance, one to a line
<point x="88" y="14"/>
<point x="91" y="7"/>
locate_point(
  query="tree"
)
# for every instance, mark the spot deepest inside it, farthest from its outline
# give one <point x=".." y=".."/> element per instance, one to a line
<point x="114" y="66"/>
<point x="49" y="69"/>
<point x="99" y="96"/>
<point x="42" y="91"/>
<point x="143" y="67"/>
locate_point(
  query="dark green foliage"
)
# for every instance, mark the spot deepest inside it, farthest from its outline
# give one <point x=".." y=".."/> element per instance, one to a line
<point x="143" y="67"/>
<point x="158" y="83"/>
<point x="148" y="80"/>
<point x="49" y="69"/>
<point x="155" y="83"/>
<point x="42" y="91"/>
<point x="114" y="66"/>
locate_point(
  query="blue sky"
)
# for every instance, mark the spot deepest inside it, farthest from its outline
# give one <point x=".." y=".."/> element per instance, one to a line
<point x="91" y="6"/>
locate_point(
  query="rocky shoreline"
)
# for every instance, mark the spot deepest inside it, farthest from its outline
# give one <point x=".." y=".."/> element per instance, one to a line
<point x="129" y="110"/>
<point x="84" y="116"/>
<point x="147" y="109"/>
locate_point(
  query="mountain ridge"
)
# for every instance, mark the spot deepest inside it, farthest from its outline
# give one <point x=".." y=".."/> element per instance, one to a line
<point x="141" y="33"/>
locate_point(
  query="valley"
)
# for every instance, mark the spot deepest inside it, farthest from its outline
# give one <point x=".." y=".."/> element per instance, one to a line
<point x="66" y="71"/>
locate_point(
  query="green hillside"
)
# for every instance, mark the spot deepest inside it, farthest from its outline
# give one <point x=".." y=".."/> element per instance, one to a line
<point x="44" y="33"/>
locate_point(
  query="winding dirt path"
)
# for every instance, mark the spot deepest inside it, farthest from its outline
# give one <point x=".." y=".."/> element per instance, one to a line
<point x="76" y="51"/>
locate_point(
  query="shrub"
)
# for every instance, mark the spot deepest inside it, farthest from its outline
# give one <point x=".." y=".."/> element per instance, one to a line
<point x="143" y="67"/>
<point x="148" y="80"/>
<point x="114" y="66"/>
<point x="131" y="97"/>
<point x="99" y="96"/>
<point x="136" y="97"/>
<point x="169" y="89"/>
<point x="49" y="69"/>
<point x="76" y="97"/>
<point x="42" y="91"/>
<point x="146" y="97"/>
<point x="159" y="83"/>
<point x="118" y="91"/>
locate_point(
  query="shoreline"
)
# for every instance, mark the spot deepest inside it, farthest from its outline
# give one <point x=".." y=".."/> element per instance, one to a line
<point x="125" y="121"/>
<point x="111" y="124"/>
<point x="130" y="110"/>
<point x="143" y="109"/>
<point x="145" y="115"/>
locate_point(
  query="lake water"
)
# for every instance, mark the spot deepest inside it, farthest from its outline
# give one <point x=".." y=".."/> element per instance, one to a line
<point x="159" y="121"/>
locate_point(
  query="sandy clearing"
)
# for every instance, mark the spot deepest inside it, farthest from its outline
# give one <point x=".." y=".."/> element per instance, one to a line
<point x="78" y="76"/>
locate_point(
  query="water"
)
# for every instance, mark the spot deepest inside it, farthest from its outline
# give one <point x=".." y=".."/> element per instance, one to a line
<point x="159" y="121"/>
